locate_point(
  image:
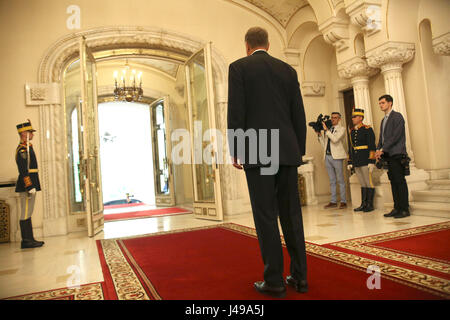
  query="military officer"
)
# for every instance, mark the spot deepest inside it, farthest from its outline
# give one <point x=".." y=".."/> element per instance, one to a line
<point x="361" y="157"/>
<point x="27" y="183"/>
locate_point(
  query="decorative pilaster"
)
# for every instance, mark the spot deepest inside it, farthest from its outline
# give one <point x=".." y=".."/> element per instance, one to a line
<point x="366" y="14"/>
<point x="307" y="170"/>
<point x="358" y="71"/>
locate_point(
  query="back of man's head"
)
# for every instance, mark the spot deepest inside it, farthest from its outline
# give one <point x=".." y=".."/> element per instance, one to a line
<point x="257" y="37"/>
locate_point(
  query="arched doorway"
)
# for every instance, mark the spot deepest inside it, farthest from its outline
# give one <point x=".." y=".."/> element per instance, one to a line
<point x="105" y="43"/>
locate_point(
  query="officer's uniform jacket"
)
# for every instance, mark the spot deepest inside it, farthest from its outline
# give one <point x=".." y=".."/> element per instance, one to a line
<point x="362" y="147"/>
<point x="28" y="177"/>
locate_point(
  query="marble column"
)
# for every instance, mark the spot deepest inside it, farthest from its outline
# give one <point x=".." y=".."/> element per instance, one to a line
<point x="358" y="71"/>
<point x="390" y="57"/>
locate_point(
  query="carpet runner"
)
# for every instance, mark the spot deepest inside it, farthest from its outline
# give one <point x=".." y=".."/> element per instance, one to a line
<point x="221" y="262"/>
<point x="160" y="212"/>
<point x="425" y="249"/>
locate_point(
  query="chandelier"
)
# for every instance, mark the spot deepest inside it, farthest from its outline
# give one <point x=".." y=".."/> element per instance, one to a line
<point x="128" y="92"/>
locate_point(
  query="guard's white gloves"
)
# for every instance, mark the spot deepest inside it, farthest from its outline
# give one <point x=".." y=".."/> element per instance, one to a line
<point x="349" y="167"/>
<point x="32" y="191"/>
<point x="371" y="167"/>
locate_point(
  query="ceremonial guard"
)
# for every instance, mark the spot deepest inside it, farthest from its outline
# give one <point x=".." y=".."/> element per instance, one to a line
<point x="361" y="157"/>
<point x="27" y="184"/>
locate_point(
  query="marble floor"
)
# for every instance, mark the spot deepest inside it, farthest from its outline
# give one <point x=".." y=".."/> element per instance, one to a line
<point x="73" y="259"/>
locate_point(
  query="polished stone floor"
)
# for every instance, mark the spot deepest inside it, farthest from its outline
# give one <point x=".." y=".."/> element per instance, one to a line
<point x="66" y="260"/>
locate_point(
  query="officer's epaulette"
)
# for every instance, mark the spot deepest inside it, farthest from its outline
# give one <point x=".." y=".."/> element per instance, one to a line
<point x="21" y="148"/>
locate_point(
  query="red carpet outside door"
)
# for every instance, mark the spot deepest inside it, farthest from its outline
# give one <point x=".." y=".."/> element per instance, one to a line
<point x="222" y="262"/>
<point x="159" y="212"/>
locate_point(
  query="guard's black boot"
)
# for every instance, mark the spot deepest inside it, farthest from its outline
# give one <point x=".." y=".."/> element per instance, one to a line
<point x="27" y="235"/>
<point x="363" y="199"/>
<point x="32" y="236"/>
<point x="369" y="202"/>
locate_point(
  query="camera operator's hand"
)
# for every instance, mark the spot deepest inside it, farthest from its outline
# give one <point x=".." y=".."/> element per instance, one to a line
<point x="319" y="134"/>
<point x="324" y="126"/>
<point x="349" y="167"/>
<point x="371" y="167"/>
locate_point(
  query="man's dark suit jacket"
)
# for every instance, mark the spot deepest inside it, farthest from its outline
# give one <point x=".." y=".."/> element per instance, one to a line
<point x="394" y="132"/>
<point x="264" y="93"/>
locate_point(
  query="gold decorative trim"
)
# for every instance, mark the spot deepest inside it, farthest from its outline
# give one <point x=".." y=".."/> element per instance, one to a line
<point x="126" y="282"/>
<point x="92" y="291"/>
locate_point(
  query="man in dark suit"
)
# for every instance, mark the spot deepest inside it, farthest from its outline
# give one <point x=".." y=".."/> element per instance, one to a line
<point x="264" y="97"/>
<point x="392" y="147"/>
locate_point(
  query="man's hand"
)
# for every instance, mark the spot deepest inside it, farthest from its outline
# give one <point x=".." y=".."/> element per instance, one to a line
<point x="324" y="126"/>
<point x="371" y="167"/>
<point x="378" y="154"/>
<point x="319" y="133"/>
<point x="32" y="191"/>
<point x="236" y="163"/>
<point x="349" y="167"/>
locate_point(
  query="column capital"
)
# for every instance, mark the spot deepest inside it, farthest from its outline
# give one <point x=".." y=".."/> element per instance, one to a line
<point x="335" y="32"/>
<point x="441" y="44"/>
<point x="366" y="14"/>
<point x="390" y="55"/>
<point x="292" y="56"/>
<point x="356" y="67"/>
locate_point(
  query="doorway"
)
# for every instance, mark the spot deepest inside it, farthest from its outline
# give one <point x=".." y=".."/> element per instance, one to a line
<point x="126" y="153"/>
<point x="84" y="164"/>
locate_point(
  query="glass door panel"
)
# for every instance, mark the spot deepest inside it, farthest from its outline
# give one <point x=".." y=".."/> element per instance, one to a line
<point x="90" y="137"/>
<point x="206" y="174"/>
<point x="164" y="191"/>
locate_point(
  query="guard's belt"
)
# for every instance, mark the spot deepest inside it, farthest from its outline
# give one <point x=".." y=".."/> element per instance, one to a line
<point x="33" y="170"/>
<point x="361" y="147"/>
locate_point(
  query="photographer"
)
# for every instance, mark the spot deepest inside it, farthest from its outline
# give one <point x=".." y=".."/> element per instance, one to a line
<point x="334" y="155"/>
<point x="361" y="157"/>
<point x="392" y="150"/>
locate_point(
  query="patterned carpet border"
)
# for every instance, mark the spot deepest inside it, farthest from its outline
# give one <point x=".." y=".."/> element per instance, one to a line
<point x="432" y="284"/>
<point x="367" y="245"/>
<point x="92" y="291"/>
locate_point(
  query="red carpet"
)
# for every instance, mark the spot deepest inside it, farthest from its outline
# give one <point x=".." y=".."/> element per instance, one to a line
<point x="124" y="205"/>
<point x="161" y="212"/>
<point x="425" y="249"/>
<point x="435" y="245"/>
<point x="222" y="262"/>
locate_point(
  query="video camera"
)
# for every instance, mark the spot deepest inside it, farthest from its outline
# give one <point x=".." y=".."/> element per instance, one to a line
<point x="404" y="161"/>
<point x="317" y="125"/>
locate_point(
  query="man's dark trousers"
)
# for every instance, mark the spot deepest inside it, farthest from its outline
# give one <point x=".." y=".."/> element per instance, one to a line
<point x="272" y="196"/>
<point x="399" y="186"/>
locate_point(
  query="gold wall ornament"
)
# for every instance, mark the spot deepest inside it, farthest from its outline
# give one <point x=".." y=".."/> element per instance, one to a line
<point x="5" y="228"/>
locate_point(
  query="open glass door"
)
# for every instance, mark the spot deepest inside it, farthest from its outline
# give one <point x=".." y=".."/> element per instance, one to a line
<point x="207" y="202"/>
<point x="90" y="179"/>
<point x="162" y="151"/>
